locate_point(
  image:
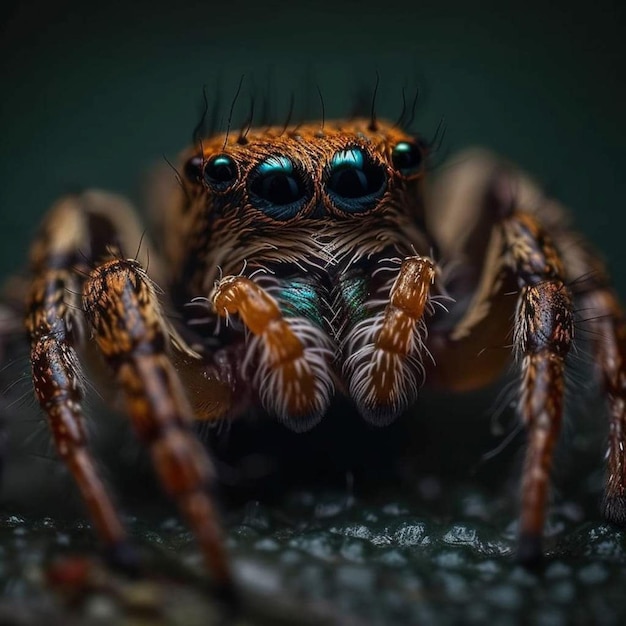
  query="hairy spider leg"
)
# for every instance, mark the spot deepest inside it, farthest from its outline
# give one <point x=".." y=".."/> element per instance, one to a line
<point x="53" y="321"/>
<point x="385" y="353"/>
<point x="122" y="308"/>
<point x="610" y="349"/>
<point x="603" y="316"/>
<point x="543" y="335"/>
<point x="78" y="232"/>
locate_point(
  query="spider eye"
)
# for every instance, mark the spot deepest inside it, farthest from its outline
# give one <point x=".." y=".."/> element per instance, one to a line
<point x="407" y="157"/>
<point x="193" y="169"/>
<point x="220" y="172"/>
<point x="355" y="181"/>
<point x="277" y="188"/>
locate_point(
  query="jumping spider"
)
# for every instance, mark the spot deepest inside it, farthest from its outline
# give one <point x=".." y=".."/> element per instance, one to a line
<point x="302" y="264"/>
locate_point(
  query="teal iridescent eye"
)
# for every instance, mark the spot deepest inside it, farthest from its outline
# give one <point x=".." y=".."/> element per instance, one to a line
<point x="407" y="157"/>
<point x="277" y="188"/>
<point x="220" y="172"/>
<point x="355" y="181"/>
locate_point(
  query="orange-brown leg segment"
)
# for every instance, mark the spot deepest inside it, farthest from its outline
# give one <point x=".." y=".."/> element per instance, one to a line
<point x="609" y="329"/>
<point x="543" y="336"/>
<point x="292" y="377"/>
<point x="606" y="321"/>
<point x="121" y="305"/>
<point x="53" y="323"/>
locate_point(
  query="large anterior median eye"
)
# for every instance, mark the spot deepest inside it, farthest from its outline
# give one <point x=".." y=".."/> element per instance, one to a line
<point x="355" y="181"/>
<point x="277" y="188"/>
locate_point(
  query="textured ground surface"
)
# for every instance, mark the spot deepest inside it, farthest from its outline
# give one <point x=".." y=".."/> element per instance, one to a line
<point x="322" y="559"/>
<point x="432" y="546"/>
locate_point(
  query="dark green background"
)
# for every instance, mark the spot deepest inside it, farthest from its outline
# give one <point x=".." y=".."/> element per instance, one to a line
<point x="94" y="94"/>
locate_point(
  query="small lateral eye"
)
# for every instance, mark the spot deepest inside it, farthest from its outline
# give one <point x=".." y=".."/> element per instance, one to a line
<point x="277" y="188"/>
<point x="220" y="172"/>
<point x="193" y="169"/>
<point x="407" y="157"/>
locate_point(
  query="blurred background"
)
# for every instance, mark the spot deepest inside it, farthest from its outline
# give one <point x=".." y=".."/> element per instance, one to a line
<point x="95" y="94"/>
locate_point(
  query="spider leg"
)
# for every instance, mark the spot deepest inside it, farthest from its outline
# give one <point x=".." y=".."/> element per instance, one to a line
<point x="53" y="324"/>
<point x="129" y="328"/>
<point x="498" y="227"/>
<point x="606" y="321"/>
<point x="543" y="335"/>
<point x="79" y="231"/>
<point x="610" y="349"/>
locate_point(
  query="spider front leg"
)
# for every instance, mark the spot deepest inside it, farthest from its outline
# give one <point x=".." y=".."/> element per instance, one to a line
<point x="544" y="328"/>
<point x="121" y="306"/>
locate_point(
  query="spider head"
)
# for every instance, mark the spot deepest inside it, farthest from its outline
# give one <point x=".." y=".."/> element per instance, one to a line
<point x="307" y="197"/>
<point x="343" y="171"/>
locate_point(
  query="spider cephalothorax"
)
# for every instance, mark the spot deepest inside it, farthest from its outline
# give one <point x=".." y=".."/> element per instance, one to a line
<point x="322" y="220"/>
<point x="298" y="264"/>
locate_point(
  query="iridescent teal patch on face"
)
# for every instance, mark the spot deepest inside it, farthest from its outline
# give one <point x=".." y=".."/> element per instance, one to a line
<point x="354" y="292"/>
<point x="277" y="188"/>
<point x="301" y="299"/>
